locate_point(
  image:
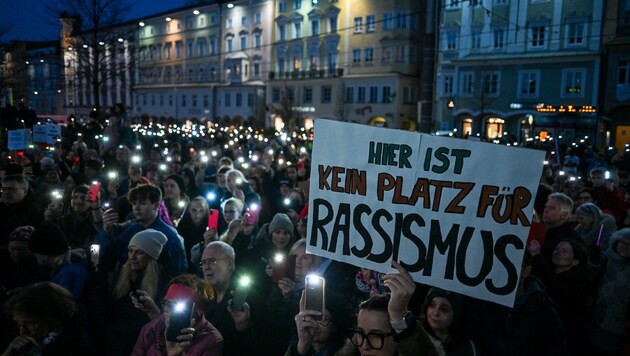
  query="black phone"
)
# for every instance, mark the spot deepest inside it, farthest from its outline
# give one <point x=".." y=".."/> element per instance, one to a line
<point x="315" y="294"/>
<point x="135" y="285"/>
<point x="180" y="317"/>
<point x="240" y="295"/>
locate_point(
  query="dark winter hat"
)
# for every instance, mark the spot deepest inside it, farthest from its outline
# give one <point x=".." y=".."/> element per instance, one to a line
<point x="150" y="241"/>
<point x="21" y="233"/>
<point x="281" y="221"/>
<point x="455" y="299"/>
<point x="48" y="239"/>
<point x="179" y="180"/>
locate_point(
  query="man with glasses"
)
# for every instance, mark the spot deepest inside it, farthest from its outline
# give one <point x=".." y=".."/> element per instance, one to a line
<point x="16" y="208"/>
<point x="239" y="336"/>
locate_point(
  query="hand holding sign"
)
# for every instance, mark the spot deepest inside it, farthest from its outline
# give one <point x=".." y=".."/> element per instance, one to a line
<point x="402" y="286"/>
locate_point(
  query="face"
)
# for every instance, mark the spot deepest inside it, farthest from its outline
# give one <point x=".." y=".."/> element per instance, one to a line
<point x="563" y="255"/>
<point x="440" y="314"/>
<point x="51" y="177"/>
<point x="221" y="180"/>
<point x="79" y="203"/>
<point x="13" y="192"/>
<point x="324" y="329"/>
<point x="137" y="258"/>
<point x="18" y="251"/>
<point x="198" y="212"/>
<point x="218" y="273"/>
<point x="31" y="327"/>
<point x="280" y="238"/>
<point x="230" y="212"/>
<point x="144" y="210"/>
<point x="585" y="220"/>
<point x="284" y="190"/>
<point x="171" y="190"/>
<point x="296" y="197"/>
<point x="135" y="173"/>
<point x="623" y="248"/>
<point x="232" y="181"/>
<point x="552" y="215"/>
<point x="303" y="262"/>
<point x="585" y="197"/>
<point x="68" y="184"/>
<point x="377" y="322"/>
<point x="598" y="179"/>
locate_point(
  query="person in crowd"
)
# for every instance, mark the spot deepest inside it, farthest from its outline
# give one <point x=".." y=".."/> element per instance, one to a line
<point x="594" y="227"/>
<point x="175" y="198"/>
<point x="83" y="220"/>
<point x="570" y="162"/>
<point x="15" y="208"/>
<point x="140" y="275"/>
<point x="238" y="327"/>
<point x="556" y="215"/>
<point x="190" y="182"/>
<point x="609" y="322"/>
<point x="323" y="336"/>
<point x="192" y="227"/>
<point x="145" y="200"/>
<point x="68" y="268"/>
<point x="610" y="197"/>
<point x="238" y="186"/>
<point x="49" y="322"/>
<point x="71" y="181"/>
<point x="201" y="338"/>
<point x="55" y="208"/>
<point x="566" y="282"/>
<point x="18" y="266"/>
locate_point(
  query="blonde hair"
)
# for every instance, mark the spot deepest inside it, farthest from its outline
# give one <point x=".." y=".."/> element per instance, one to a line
<point x="149" y="283"/>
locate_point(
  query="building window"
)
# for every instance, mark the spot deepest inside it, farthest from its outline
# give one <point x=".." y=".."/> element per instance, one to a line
<point x="282" y="32"/>
<point x="451" y="40"/>
<point x="297" y="30"/>
<point x="161" y="100"/>
<point x="475" y="39"/>
<point x="170" y="100"/>
<point x="167" y="51"/>
<point x="228" y="22"/>
<point x="205" y="101"/>
<point x="194" y="101"/>
<point x="228" y="100"/>
<point x="256" y="69"/>
<point x="373" y="94"/>
<point x="290" y="94"/>
<point x="202" y="21"/>
<point x="275" y="95"/>
<point x="282" y="6"/>
<point x="358" y="24"/>
<point x="307" y="95"/>
<point x="410" y="95"/>
<point x="388" y="21"/>
<point x="361" y="95"/>
<point x="623" y="73"/>
<point x="201" y="47"/>
<point x="537" y="35"/>
<point x="178" y="49"/>
<point x="491" y="83"/>
<point x="401" y="21"/>
<point x="369" y="55"/>
<point x="498" y="37"/>
<point x="356" y="55"/>
<point x="401" y="54"/>
<point x="258" y="40"/>
<point x="453" y="4"/>
<point x="297" y="4"/>
<point x="349" y="94"/>
<point x="370" y="23"/>
<point x="213" y="46"/>
<point x="333" y="24"/>
<point x="387" y="96"/>
<point x="528" y="83"/>
<point x="250" y="100"/>
<point x="326" y="94"/>
<point x="239" y="100"/>
<point x="466" y="84"/>
<point x="447" y="84"/>
<point x="573" y="82"/>
<point x="244" y="21"/>
<point x="191" y="48"/>
<point x="243" y="43"/>
<point x="576" y="32"/>
<point x="315" y="27"/>
<point x="228" y="45"/>
<point x="257" y="18"/>
<point x="183" y="100"/>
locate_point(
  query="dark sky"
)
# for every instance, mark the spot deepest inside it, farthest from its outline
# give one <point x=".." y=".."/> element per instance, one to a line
<point x="29" y="21"/>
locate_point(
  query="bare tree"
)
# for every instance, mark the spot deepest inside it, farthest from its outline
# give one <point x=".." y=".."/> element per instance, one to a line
<point x="93" y="38"/>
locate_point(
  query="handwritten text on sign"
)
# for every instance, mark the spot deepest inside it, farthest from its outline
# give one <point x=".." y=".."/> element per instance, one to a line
<point x="455" y="213"/>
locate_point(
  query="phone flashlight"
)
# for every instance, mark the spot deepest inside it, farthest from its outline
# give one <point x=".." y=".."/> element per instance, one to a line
<point x="112" y="175"/>
<point x="287" y="201"/>
<point x="181" y="204"/>
<point x="607" y="174"/>
<point x="204" y="159"/>
<point x="211" y="196"/>
<point x="162" y="167"/>
<point x="135" y="159"/>
<point x="179" y="307"/>
<point x="278" y="258"/>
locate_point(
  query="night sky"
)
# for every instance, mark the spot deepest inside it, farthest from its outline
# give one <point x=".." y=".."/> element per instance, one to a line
<point x="30" y="22"/>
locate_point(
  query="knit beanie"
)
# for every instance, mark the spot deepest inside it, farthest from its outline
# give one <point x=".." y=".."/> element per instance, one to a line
<point x="21" y="233"/>
<point x="589" y="209"/>
<point x="48" y="239"/>
<point x="179" y="180"/>
<point x="455" y="299"/>
<point x="281" y="221"/>
<point x="150" y="241"/>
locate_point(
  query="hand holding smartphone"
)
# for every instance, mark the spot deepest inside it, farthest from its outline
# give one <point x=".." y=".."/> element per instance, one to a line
<point x="180" y="317"/>
<point x="95" y="188"/>
<point x="213" y="219"/>
<point x="240" y="295"/>
<point x="315" y="294"/>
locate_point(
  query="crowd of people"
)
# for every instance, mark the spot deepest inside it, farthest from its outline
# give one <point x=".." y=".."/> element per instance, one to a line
<point x="112" y="233"/>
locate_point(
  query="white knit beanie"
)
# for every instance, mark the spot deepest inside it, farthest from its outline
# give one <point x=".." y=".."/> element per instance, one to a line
<point x="150" y="241"/>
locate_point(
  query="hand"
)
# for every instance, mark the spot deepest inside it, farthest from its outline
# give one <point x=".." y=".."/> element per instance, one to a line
<point x="19" y="345"/>
<point x="145" y="303"/>
<point x="534" y="248"/>
<point x="307" y="326"/>
<point x="110" y="217"/>
<point x="209" y="236"/>
<point x="240" y="317"/>
<point x="402" y="287"/>
<point x="287" y="286"/>
<point x="183" y="341"/>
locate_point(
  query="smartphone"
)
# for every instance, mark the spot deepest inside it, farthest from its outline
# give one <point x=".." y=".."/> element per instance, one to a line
<point x="314" y="294"/>
<point x="240" y="295"/>
<point x="95" y="188"/>
<point x="94" y="254"/>
<point x="106" y="205"/>
<point x="135" y="285"/>
<point x="279" y="267"/>
<point x="213" y="219"/>
<point x="180" y="318"/>
<point x="253" y="214"/>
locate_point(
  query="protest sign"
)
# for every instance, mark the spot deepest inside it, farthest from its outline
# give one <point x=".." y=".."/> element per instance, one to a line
<point x="455" y="213"/>
<point x="39" y="133"/>
<point x="18" y="139"/>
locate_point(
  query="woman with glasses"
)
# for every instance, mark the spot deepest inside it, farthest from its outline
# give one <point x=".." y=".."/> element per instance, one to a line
<point x="327" y="335"/>
<point x="609" y="320"/>
<point x="201" y="338"/>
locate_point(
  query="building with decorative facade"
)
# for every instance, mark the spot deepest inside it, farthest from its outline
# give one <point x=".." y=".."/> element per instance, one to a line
<point x="520" y="69"/>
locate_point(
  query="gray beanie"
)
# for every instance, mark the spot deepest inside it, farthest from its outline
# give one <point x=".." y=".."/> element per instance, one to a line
<point x="281" y="221"/>
<point x="150" y="241"/>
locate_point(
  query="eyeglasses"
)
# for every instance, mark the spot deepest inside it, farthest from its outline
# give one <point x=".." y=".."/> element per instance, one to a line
<point x="211" y="261"/>
<point x="375" y="340"/>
